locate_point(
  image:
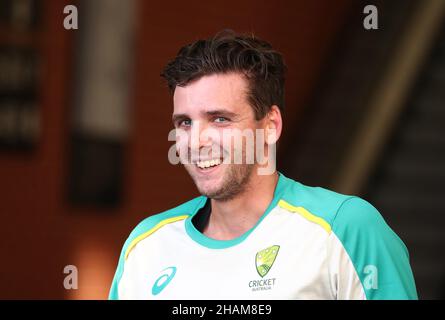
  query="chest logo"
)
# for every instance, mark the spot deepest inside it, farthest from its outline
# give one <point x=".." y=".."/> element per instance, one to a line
<point x="265" y="259"/>
<point x="163" y="280"/>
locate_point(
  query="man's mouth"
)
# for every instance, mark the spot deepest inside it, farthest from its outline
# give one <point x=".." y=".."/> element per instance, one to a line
<point x="206" y="164"/>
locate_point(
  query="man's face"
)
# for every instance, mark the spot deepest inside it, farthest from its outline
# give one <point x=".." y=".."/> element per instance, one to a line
<point x="215" y="104"/>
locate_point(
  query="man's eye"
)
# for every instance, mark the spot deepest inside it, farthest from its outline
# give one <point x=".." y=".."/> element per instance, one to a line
<point x="185" y="123"/>
<point x="221" y="120"/>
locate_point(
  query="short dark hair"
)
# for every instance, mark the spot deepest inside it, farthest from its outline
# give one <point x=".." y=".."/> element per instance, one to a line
<point x="226" y="52"/>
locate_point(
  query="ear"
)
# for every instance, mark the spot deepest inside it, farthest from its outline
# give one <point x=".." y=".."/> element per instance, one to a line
<point x="274" y="125"/>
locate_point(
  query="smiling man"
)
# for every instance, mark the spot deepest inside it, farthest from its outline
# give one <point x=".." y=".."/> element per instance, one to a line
<point x="253" y="233"/>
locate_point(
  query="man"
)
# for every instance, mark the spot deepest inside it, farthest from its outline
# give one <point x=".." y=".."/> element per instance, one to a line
<point x="253" y="234"/>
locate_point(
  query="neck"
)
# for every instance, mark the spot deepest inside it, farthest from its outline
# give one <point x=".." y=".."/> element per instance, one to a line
<point x="232" y="218"/>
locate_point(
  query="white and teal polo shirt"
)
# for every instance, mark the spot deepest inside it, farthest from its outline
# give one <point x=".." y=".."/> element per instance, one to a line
<point x="310" y="243"/>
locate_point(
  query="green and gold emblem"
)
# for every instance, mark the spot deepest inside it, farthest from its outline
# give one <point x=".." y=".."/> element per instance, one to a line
<point x="265" y="259"/>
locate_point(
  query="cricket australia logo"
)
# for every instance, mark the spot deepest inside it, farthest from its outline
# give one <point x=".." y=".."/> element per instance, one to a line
<point x="264" y="261"/>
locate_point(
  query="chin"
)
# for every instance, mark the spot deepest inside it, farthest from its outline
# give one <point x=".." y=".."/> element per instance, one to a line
<point x="210" y="191"/>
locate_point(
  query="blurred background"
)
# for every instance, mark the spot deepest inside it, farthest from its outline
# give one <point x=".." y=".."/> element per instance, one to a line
<point x="84" y="120"/>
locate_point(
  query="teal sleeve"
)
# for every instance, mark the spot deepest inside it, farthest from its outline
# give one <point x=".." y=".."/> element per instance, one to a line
<point x="114" y="294"/>
<point x="379" y="256"/>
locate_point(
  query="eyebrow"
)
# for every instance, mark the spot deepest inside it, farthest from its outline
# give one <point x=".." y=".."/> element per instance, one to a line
<point x="220" y="112"/>
<point x="209" y="113"/>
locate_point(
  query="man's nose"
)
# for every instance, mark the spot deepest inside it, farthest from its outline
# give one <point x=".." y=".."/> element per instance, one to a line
<point x="200" y="135"/>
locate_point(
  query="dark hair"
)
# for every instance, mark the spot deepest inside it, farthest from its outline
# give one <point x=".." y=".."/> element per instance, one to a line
<point x="226" y="52"/>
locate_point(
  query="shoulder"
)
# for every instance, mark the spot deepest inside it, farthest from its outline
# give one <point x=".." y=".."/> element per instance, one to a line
<point x="183" y="210"/>
<point x="154" y="222"/>
<point x="359" y="214"/>
<point x="336" y="210"/>
<point x="319" y="202"/>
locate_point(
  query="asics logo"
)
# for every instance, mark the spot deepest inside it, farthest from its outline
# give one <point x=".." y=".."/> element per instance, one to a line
<point x="163" y="280"/>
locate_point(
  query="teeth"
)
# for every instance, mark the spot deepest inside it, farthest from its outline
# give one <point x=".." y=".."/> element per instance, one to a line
<point x="208" y="163"/>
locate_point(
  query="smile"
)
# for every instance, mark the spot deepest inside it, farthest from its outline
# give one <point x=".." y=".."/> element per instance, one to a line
<point x="208" y="163"/>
